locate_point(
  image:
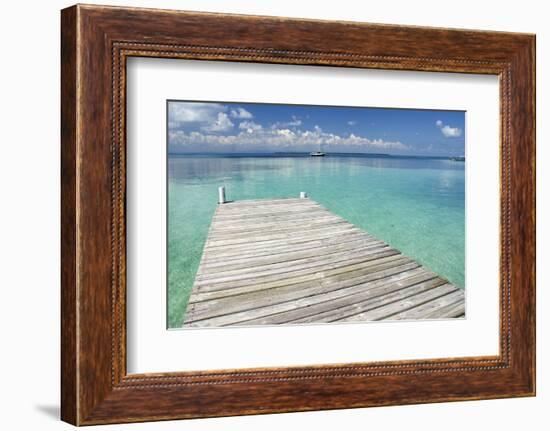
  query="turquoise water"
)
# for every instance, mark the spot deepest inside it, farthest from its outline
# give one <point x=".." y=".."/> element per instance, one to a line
<point x="414" y="204"/>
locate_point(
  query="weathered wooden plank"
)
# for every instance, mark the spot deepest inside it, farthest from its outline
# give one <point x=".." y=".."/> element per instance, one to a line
<point x="256" y="202"/>
<point x="243" y="280"/>
<point x="268" y="309"/>
<point x="392" y="295"/>
<point x="283" y="261"/>
<point x="225" y="217"/>
<point x="268" y="256"/>
<point x="225" y="211"/>
<point x="236" y="209"/>
<point x="371" y="294"/>
<point x="402" y="304"/>
<point x="308" y="288"/>
<point x="248" y="228"/>
<point x="262" y="221"/>
<point x="365" y="271"/>
<point x="451" y="311"/>
<point x="295" y="239"/>
<point x="277" y="228"/>
<point x="451" y="305"/>
<point x="310" y="273"/>
<point x="330" y="241"/>
<point x="334" y="229"/>
<point x="280" y="266"/>
<point x="250" y="261"/>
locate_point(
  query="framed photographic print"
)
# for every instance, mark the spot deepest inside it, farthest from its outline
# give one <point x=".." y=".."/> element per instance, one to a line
<point x="267" y="215"/>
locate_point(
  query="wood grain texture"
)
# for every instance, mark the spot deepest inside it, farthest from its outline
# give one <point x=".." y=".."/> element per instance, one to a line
<point x="96" y="41"/>
<point x="69" y="365"/>
<point x="243" y="280"/>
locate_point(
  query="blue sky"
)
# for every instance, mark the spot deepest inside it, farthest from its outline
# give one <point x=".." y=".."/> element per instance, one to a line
<point x="220" y="127"/>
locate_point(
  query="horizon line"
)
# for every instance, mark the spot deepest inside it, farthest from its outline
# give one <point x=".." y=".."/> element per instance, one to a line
<point x="307" y="153"/>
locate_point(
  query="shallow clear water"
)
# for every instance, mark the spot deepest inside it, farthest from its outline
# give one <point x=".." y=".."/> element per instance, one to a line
<point x="414" y="204"/>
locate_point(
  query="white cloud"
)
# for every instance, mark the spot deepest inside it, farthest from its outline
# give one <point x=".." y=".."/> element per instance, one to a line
<point x="210" y="117"/>
<point x="240" y="113"/>
<point x="352" y="123"/>
<point x="221" y="124"/>
<point x="250" y="126"/>
<point x="451" y="132"/>
<point x="197" y="127"/>
<point x="252" y="137"/>
<point x="448" y="131"/>
<point x="194" y="112"/>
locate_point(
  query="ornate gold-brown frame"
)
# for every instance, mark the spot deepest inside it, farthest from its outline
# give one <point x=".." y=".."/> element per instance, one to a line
<point x="96" y="41"/>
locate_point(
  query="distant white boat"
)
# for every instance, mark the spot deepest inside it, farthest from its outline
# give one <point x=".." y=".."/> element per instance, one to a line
<point x="317" y="153"/>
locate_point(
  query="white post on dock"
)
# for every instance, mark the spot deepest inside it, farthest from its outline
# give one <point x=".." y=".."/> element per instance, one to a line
<point x="221" y="195"/>
<point x="303" y="195"/>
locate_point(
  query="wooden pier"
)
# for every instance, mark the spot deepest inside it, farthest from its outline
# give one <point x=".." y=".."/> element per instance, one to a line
<point x="291" y="261"/>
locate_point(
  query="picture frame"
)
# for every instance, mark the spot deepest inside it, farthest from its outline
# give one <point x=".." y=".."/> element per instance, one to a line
<point x="96" y="41"/>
